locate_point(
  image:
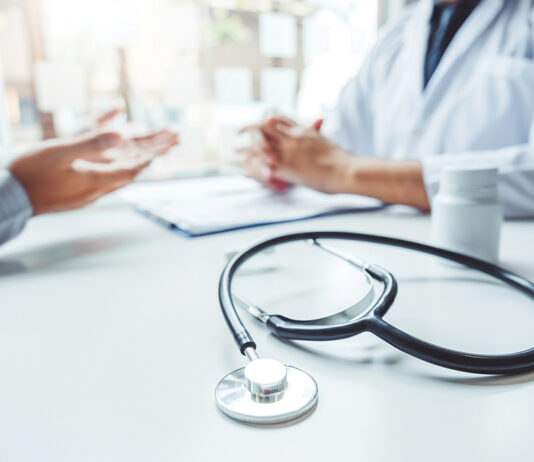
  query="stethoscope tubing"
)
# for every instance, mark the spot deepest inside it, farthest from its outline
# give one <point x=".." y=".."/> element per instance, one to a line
<point x="373" y="320"/>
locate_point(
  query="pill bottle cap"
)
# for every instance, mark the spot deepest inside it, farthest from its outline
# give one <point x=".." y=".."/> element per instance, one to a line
<point x="481" y="181"/>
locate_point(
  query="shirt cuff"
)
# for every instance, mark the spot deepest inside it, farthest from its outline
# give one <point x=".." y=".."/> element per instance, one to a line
<point x="15" y="206"/>
<point x="431" y="175"/>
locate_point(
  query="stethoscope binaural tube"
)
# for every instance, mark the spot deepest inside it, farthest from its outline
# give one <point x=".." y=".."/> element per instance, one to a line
<point x="372" y="321"/>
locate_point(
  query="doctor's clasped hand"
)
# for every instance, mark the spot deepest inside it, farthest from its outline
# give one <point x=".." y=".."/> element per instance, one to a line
<point x="292" y="153"/>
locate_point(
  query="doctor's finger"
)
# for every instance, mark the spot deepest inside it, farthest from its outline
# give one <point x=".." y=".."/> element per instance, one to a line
<point x="281" y="120"/>
<point x="275" y="131"/>
<point x="261" y="150"/>
<point x="276" y="184"/>
<point x="266" y="157"/>
<point x="317" y="125"/>
<point x="257" y="128"/>
<point x="249" y="128"/>
<point x="255" y="167"/>
<point x="249" y="151"/>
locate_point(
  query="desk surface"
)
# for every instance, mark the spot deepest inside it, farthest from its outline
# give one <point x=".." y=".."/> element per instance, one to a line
<point x="98" y="363"/>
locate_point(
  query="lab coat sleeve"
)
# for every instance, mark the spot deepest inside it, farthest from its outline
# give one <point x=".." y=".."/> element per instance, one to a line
<point x="516" y="175"/>
<point x="515" y="163"/>
<point x="350" y="124"/>
<point x="15" y="207"/>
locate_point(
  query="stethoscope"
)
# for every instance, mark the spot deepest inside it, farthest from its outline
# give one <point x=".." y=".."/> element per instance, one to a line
<point x="267" y="391"/>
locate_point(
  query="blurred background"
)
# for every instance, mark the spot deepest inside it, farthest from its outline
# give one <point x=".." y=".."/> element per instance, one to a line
<point x="202" y="67"/>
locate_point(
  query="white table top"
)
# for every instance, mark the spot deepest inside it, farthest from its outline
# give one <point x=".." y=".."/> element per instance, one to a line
<point x="111" y="344"/>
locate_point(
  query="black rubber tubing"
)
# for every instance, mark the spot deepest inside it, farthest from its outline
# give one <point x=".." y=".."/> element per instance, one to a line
<point x="373" y="322"/>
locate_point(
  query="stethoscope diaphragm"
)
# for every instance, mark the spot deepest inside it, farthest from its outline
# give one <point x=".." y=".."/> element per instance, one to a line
<point x="266" y="392"/>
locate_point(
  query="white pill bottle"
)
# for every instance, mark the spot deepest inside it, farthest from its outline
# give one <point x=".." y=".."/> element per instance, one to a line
<point x="467" y="212"/>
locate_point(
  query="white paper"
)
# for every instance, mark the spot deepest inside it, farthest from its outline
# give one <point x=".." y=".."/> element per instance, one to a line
<point x="217" y="204"/>
<point x="279" y="88"/>
<point x="278" y="35"/>
<point x="60" y="86"/>
<point x="233" y="85"/>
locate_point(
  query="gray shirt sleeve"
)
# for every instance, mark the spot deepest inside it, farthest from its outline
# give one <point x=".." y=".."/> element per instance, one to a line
<point x="15" y="207"/>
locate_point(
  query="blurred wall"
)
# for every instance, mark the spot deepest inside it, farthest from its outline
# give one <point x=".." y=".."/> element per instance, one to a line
<point x="389" y="9"/>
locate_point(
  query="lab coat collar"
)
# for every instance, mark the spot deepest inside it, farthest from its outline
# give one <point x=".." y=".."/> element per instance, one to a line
<point x="416" y="41"/>
<point x="472" y="2"/>
<point x="415" y="44"/>
<point x="477" y="22"/>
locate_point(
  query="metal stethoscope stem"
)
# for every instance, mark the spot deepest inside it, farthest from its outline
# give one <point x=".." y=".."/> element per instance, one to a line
<point x="251" y="354"/>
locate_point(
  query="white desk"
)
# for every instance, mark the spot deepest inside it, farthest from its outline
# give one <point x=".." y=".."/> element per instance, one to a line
<point x="101" y="310"/>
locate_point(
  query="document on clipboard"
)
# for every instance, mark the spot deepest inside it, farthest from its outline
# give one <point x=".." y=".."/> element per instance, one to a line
<point x="198" y="207"/>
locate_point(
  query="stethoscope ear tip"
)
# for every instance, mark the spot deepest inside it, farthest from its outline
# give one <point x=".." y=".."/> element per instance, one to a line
<point x="266" y="392"/>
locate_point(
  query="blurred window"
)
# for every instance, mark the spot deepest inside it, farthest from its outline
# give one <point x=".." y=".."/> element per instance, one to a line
<point x="203" y="67"/>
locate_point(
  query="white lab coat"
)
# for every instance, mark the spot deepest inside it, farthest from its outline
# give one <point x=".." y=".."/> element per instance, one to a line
<point x="478" y="107"/>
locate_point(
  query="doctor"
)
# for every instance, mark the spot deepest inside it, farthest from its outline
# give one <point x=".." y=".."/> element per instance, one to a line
<point x="451" y="82"/>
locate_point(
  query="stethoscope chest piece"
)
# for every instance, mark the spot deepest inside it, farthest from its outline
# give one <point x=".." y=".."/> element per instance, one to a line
<point x="266" y="392"/>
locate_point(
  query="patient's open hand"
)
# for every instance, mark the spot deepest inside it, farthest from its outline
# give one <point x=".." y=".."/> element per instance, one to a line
<point x="72" y="173"/>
